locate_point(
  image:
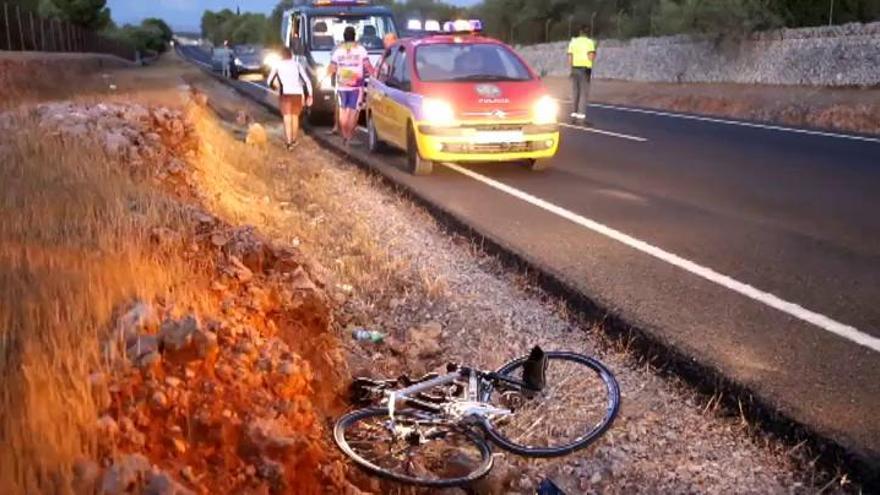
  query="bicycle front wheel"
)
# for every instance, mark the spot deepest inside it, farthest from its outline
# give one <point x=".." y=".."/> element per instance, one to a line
<point x="417" y="448"/>
<point x="577" y="405"/>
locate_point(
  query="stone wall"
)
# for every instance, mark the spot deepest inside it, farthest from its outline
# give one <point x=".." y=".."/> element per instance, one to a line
<point x="846" y="55"/>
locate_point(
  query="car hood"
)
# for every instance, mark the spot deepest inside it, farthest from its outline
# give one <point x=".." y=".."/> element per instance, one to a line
<point x="478" y="100"/>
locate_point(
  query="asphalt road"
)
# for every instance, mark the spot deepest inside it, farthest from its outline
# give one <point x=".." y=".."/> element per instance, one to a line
<point x="752" y="249"/>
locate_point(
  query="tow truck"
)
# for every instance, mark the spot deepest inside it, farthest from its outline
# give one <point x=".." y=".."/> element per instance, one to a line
<point x="313" y="31"/>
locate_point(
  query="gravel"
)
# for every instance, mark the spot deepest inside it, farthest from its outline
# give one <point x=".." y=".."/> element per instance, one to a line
<point x="666" y="438"/>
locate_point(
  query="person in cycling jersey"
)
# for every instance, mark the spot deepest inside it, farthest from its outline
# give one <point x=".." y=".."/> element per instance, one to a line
<point x="350" y="63"/>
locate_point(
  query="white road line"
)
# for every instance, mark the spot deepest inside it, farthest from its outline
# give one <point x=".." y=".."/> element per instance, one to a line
<point x="840" y="329"/>
<point x="739" y="123"/>
<point x="607" y="133"/>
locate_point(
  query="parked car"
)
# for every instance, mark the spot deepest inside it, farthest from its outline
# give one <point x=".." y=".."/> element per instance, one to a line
<point x="460" y="97"/>
<point x="248" y="59"/>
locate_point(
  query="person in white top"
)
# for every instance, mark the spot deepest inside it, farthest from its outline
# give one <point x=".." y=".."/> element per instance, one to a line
<point x="291" y="79"/>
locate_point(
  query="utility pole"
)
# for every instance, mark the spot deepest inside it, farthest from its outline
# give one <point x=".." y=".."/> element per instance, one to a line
<point x="831" y="13"/>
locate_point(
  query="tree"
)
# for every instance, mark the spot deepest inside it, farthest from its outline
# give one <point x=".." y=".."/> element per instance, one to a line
<point x="226" y="25"/>
<point x="89" y="14"/>
<point x="166" y="33"/>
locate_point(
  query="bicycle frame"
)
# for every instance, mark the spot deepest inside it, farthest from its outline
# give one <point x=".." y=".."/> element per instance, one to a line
<point x="472" y="405"/>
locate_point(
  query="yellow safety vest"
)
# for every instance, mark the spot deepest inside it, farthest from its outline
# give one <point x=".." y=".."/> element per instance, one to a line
<point x="578" y="49"/>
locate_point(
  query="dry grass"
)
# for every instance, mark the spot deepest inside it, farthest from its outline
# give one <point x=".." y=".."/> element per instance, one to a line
<point x="292" y="198"/>
<point x="74" y="247"/>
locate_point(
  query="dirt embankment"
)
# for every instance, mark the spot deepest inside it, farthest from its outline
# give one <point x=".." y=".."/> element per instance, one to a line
<point x="841" y="109"/>
<point x="149" y="344"/>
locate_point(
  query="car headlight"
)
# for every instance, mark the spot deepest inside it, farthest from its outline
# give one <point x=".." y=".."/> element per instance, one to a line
<point x="546" y="111"/>
<point x="437" y="112"/>
<point x="271" y="59"/>
<point x="238" y="61"/>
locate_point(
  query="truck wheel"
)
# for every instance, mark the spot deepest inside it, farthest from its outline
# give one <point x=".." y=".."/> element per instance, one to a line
<point x="417" y="164"/>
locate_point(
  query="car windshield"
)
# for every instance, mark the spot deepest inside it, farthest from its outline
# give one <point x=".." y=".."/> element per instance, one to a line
<point x="469" y="62"/>
<point x="326" y="31"/>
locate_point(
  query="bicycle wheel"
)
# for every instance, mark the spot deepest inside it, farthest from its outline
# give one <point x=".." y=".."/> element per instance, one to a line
<point x="578" y="403"/>
<point x="420" y="450"/>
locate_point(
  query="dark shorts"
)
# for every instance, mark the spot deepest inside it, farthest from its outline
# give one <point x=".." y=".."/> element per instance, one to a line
<point x="349" y="98"/>
<point x="291" y="104"/>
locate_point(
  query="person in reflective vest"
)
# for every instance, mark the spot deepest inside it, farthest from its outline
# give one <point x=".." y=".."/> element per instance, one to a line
<point x="581" y="53"/>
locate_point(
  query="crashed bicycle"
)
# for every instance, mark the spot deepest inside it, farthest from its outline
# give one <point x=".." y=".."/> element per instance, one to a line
<point x="436" y="431"/>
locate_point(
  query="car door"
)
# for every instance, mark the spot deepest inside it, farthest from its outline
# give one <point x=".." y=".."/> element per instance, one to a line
<point x="377" y="96"/>
<point x="399" y="86"/>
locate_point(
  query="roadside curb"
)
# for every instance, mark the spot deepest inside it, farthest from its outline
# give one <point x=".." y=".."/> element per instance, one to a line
<point x="663" y="356"/>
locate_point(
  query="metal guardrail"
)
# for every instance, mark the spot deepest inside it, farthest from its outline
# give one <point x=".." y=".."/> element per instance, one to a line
<point x="23" y="30"/>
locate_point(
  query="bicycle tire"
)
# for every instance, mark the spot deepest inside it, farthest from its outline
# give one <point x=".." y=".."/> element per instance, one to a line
<point x="345" y="422"/>
<point x="583" y="441"/>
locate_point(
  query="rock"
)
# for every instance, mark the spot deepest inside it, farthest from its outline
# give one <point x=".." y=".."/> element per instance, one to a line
<point x="206" y="343"/>
<point x="86" y="474"/>
<point x="179" y="445"/>
<point x="499" y="480"/>
<point x="242" y="118"/>
<point x="241" y="272"/>
<point x="177" y="335"/>
<point x="141" y="346"/>
<point x="135" y="321"/>
<point x="270" y="437"/>
<point x="300" y="280"/>
<point x="159" y="400"/>
<point x="256" y="135"/>
<point x="107" y="426"/>
<point x="163" y="484"/>
<point x="148" y="361"/>
<point x="125" y="475"/>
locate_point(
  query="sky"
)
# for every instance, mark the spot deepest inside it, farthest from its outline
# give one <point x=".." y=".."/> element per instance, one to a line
<point x="186" y="15"/>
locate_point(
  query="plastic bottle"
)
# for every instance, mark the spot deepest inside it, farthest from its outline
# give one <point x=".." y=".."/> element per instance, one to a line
<point x="364" y="335"/>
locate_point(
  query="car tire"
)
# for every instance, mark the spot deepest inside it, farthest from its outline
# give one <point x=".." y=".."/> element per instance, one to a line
<point x="417" y="164"/>
<point x="374" y="144"/>
<point x="539" y="164"/>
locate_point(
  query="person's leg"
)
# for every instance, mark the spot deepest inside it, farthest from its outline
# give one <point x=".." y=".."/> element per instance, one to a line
<point x="585" y="93"/>
<point x="575" y="92"/>
<point x="288" y="136"/>
<point x="294" y="117"/>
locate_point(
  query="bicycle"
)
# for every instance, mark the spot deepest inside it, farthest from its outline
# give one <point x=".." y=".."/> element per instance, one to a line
<point x="436" y="431"/>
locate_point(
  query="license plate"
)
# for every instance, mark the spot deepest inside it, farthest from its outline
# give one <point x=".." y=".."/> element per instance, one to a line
<point x="498" y="137"/>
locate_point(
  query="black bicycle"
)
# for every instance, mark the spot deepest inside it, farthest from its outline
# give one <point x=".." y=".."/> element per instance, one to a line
<point x="435" y="431"/>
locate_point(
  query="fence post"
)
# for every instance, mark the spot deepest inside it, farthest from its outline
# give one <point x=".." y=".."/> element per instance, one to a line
<point x="43" y="34"/>
<point x="6" y="21"/>
<point x="20" y="29"/>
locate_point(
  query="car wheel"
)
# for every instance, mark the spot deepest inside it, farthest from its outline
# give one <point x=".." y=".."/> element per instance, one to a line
<point x="539" y="165"/>
<point x="374" y="144"/>
<point x="417" y="164"/>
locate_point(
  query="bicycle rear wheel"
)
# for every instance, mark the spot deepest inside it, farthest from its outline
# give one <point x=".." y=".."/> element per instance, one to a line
<point x="577" y="405"/>
<point x="421" y="450"/>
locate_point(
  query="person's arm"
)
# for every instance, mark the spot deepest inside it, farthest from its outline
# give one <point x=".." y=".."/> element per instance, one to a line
<point x="270" y="79"/>
<point x="308" y="83"/>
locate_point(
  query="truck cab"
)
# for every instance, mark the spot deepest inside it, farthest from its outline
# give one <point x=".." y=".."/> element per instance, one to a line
<point x="313" y="31"/>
